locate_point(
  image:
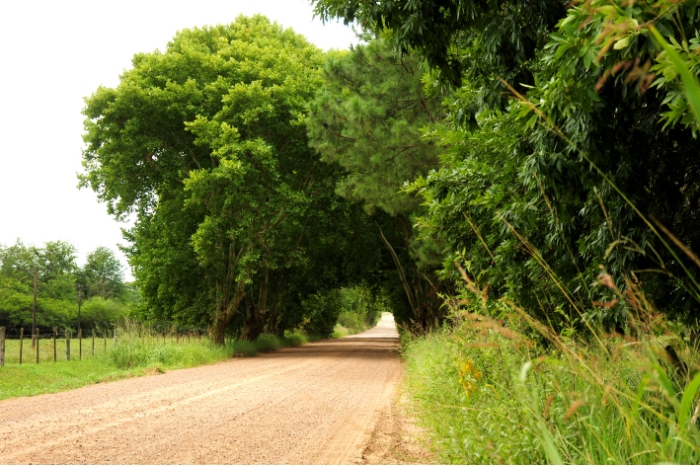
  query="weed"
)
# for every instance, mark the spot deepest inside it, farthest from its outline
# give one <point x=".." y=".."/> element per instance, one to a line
<point x="489" y="396"/>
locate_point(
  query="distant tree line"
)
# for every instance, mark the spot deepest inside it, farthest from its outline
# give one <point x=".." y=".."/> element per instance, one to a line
<point x="61" y="284"/>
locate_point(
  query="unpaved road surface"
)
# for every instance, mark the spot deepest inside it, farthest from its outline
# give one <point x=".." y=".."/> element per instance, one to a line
<point x="316" y="404"/>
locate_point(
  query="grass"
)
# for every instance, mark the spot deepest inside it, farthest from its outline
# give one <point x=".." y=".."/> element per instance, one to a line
<point x="139" y="351"/>
<point x="491" y="391"/>
<point x="46" y="349"/>
<point x="340" y="331"/>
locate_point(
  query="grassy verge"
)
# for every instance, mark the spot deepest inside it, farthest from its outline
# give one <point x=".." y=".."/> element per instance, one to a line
<point x="489" y="391"/>
<point x="133" y="357"/>
<point x="269" y="342"/>
<point x="138" y="352"/>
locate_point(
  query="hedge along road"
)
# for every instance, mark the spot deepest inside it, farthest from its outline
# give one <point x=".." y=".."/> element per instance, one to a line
<point x="315" y="404"/>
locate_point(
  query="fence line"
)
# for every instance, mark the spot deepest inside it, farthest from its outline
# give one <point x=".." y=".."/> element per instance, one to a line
<point x="2" y="346"/>
<point x="175" y="337"/>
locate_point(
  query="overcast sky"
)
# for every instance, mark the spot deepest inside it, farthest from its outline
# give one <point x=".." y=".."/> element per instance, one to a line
<point x="54" y="54"/>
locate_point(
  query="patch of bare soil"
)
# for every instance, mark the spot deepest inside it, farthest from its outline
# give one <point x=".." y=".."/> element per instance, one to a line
<point x="396" y="439"/>
<point x="322" y="403"/>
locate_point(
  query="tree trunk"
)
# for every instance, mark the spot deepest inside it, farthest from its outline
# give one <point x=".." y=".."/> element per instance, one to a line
<point x="226" y="312"/>
<point x="254" y="324"/>
<point x="402" y="275"/>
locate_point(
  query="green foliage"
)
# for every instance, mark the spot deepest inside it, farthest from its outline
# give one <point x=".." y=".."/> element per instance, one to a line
<point x="466" y="40"/>
<point x="243" y="348"/>
<point x="371" y="118"/>
<point x="360" y="309"/>
<point x="58" y="277"/>
<point x="102" y="275"/>
<point x="321" y="311"/>
<point x="98" y="312"/>
<point x="268" y="343"/>
<point x="490" y="395"/>
<point x="236" y="218"/>
<point x="530" y="188"/>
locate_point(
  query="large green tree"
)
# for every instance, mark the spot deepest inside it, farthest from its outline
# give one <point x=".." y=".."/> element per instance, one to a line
<point x="101" y="276"/>
<point x="236" y="217"/>
<point x="371" y="117"/>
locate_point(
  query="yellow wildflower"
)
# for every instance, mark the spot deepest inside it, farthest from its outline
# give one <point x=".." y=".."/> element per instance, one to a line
<point x="469" y="375"/>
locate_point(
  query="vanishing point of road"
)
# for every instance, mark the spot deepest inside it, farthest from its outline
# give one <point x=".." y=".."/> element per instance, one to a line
<point x="315" y="404"/>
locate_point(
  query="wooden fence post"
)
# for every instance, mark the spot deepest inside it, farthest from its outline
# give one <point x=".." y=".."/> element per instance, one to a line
<point x="21" y="343"/>
<point x="115" y="337"/>
<point x="55" y="334"/>
<point x="2" y="346"/>
<point x="37" y="344"/>
<point x="80" y="344"/>
<point x="93" y="342"/>
<point x="104" y="334"/>
<point x="67" y="344"/>
<point x="177" y="338"/>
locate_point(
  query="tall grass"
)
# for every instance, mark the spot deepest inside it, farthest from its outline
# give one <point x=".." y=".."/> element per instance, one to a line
<point x="499" y="387"/>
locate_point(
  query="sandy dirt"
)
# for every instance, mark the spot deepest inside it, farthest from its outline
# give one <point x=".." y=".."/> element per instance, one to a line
<point x="322" y="403"/>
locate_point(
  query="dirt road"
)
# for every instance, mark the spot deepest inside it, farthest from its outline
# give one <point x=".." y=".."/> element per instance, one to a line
<point x="315" y="404"/>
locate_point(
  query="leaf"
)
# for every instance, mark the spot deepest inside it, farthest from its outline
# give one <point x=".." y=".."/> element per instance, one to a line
<point x="549" y="447"/>
<point x="622" y="43"/>
<point x="687" y="401"/>
<point x="690" y="82"/>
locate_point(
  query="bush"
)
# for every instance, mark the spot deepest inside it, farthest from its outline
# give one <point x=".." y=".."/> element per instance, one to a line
<point x="267" y="343"/>
<point x="244" y="349"/>
<point x="322" y="312"/>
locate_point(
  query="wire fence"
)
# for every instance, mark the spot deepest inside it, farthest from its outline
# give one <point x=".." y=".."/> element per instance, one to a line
<point x="52" y="346"/>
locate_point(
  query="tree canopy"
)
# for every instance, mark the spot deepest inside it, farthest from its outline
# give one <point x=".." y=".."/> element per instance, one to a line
<point x="371" y="117"/>
<point x="558" y="113"/>
<point x="237" y="219"/>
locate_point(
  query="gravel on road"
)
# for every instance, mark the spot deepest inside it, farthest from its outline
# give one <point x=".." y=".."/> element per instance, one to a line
<point x="315" y="404"/>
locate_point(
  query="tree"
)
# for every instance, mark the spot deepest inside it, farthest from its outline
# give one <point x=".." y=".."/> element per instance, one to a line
<point x="102" y="275"/>
<point x="370" y="118"/>
<point x="206" y="144"/>
<point x="57" y="266"/>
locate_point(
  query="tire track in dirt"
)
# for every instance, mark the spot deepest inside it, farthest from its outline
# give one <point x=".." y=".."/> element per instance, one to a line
<point x="311" y="404"/>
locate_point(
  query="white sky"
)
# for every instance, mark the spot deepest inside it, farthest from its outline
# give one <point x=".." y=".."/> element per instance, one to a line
<point x="55" y="53"/>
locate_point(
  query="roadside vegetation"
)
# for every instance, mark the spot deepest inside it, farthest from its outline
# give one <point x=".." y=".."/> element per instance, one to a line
<point x="516" y="182"/>
<point x="563" y="200"/>
<point x="497" y="387"/>
<point x="136" y="354"/>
